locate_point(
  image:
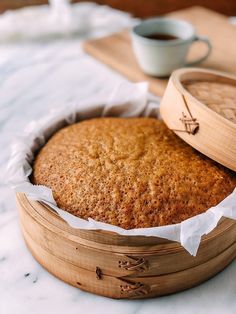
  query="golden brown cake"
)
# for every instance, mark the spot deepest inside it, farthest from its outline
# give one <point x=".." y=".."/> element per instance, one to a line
<point x="131" y="173"/>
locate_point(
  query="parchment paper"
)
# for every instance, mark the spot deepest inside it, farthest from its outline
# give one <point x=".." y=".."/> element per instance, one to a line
<point x="126" y="100"/>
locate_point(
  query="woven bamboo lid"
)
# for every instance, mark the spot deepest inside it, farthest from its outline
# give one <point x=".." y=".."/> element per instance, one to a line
<point x="200" y="107"/>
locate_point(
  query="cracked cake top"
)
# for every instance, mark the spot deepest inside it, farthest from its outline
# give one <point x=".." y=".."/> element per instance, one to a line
<point x="129" y="172"/>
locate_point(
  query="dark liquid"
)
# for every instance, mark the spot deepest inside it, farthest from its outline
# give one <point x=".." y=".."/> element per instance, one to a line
<point x="157" y="36"/>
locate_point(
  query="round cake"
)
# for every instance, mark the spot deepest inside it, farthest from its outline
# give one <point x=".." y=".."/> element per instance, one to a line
<point x="129" y="172"/>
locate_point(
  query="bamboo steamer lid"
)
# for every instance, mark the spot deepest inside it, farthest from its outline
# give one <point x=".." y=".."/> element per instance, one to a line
<point x="200" y="107"/>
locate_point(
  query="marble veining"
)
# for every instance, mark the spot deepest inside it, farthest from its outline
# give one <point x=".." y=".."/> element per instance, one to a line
<point x="36" y="77"/>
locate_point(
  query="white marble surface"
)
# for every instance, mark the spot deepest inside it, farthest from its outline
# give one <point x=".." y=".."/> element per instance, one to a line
<point x="36" y="77"/>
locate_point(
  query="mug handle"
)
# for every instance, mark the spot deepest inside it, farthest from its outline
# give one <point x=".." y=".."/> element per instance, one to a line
<point x="207" y="42"/>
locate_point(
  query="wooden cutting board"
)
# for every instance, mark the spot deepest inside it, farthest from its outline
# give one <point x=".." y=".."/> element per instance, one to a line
<point x="116" y="50"/>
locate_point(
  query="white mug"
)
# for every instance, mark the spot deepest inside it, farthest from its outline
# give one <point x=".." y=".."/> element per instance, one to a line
<point x="160" y="57"/>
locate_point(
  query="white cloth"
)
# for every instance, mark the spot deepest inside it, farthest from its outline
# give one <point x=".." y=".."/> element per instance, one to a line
<point x="60" y="19"/>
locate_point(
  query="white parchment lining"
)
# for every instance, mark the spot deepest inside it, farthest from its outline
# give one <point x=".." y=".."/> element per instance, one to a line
<point x="126" y="100"/>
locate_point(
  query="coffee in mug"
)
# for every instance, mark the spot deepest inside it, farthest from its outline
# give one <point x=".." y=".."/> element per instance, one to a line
<point x="161" y="45"/>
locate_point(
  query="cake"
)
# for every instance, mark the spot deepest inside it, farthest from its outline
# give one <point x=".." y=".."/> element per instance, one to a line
<point x="129" y="172"/>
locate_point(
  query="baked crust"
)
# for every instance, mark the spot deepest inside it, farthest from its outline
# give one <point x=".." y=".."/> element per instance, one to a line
<point x="129" y="172"/>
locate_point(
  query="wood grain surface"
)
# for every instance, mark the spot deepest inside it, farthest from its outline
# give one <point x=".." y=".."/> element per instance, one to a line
<point x="139" y="8"/>
<point x="116" y="51"/>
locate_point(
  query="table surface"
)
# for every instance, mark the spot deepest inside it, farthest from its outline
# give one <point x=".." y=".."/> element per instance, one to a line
<point x="36" y="77"/>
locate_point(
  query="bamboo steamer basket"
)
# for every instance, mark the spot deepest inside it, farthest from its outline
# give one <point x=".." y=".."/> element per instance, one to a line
<point x="133" y="267"/>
